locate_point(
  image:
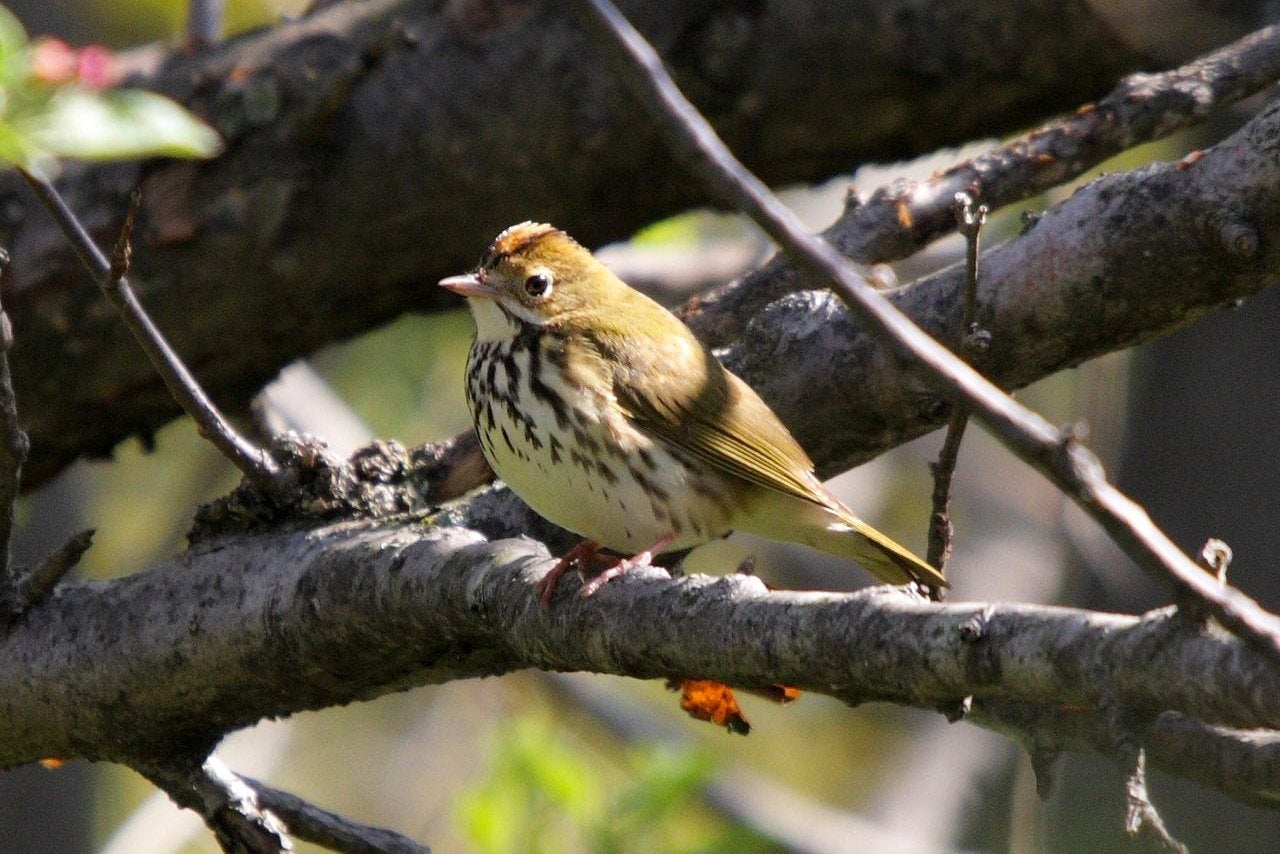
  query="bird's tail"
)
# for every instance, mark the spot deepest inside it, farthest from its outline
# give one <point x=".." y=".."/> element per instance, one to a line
<point x="878" y="553"/>
<point x="836" y="530"/>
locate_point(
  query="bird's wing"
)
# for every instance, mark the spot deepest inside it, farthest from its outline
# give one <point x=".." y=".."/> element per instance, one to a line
<point x="697" y="405"/>
<point x="674" y="390"/>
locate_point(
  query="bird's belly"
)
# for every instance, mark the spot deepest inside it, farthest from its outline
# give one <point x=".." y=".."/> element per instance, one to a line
<point x="578" y="463"/>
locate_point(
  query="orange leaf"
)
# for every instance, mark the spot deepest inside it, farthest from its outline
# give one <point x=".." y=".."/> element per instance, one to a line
<point x="51" y="763"/>
<point x="780" y="694"/>
<point x="713" y="701"/>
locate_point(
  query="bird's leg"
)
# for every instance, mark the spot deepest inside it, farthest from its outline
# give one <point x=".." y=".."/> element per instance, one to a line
<point x="644" y="558"/>
<point x="579" y="556"/>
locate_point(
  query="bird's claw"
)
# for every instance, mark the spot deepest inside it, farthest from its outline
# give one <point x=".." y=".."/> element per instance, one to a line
<point x="622" y="567"/>
<point x="579" y="556"/>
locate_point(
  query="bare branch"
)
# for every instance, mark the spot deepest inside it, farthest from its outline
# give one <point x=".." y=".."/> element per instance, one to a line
<point x="941" y="529"/>
<point x="1057" y="454"/>
<point x="1242" y="763"/>
<point x="1142" y="108"/>
<point x="1245" y="764"/>
<point x="902" y="218"/>
<point x="321" y="827"/>
<point x="1216" y="557"/>
<point x="252" y="461"/>
<point x="228" y="806"/>
<point x="1142" y="820"/>
<point x="449" y="469"/>
<point x="355" y="611"/>
<point x="971" y="216"/>
<point x="1141" y="817"/>
<point x="40" y="581"/>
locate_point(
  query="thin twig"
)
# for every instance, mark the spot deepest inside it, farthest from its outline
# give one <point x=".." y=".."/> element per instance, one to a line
<point x="321" y="827"/>
<point x="941" y="529"/>
<point x="14" y="445"/>
<point x="1056" y="453"/>
<point x="971" y="216"/>
<point x="1243" y="764"/>
<point x="40" y="581"/>
<point x="255" y="463"/>
<point x="204" y="22"/>
<point x="1215" y="556"/>
<point x="227" y="804"/>
<point x="1141" y="819"/>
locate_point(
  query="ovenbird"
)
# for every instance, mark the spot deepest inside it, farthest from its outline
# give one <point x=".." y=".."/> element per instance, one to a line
<point x="602" y="411"/>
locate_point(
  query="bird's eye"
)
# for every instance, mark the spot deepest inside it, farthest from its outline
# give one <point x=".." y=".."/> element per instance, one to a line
<point x="538" y="285"/>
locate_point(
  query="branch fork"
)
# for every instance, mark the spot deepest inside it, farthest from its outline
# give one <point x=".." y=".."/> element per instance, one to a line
<point x="110" y="275"/>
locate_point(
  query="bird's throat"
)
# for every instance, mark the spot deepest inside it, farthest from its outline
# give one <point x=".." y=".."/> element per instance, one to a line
<point x="493" y="323"/>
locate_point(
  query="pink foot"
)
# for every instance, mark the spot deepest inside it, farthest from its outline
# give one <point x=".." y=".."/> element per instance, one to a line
<point x="579" y="556"/>
<point x="622" y="567"/>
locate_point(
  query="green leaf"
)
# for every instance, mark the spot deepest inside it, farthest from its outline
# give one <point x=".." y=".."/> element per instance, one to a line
<point x="13" y="48"/>
<point x="116" y="125"/>
<point x="16" y="148"/>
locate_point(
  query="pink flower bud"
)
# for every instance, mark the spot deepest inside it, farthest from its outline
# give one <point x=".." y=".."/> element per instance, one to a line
<point x="53" y="61"/>
<point x="96" y="67"/>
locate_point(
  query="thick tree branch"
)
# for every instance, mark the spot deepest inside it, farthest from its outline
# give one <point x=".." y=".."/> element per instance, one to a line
<point x="354" y="611"/>
<point x="1127" y="257"/>
<point x="902" y="218"/>
<point x="317" y="113"/>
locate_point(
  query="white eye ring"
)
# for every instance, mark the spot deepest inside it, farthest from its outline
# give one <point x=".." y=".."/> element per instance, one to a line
<point x="538" y="285"/>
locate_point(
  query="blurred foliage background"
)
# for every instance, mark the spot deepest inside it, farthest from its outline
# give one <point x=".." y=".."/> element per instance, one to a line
<point x="527" y="763"/>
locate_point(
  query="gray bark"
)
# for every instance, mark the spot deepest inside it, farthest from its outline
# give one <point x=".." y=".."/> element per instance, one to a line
<point x="1127" y="257"/>
<point x="377" y="146"/>
<point x="163" y="662"/>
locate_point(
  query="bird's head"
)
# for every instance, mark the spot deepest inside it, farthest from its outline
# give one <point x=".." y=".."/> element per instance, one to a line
<point x="535" y="274"/>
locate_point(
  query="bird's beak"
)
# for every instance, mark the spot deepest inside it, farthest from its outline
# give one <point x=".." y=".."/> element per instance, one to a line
<point x="467" y="284"/>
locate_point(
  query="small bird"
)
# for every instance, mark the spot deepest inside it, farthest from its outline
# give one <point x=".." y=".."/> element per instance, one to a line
<point x="601" y="410"/>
